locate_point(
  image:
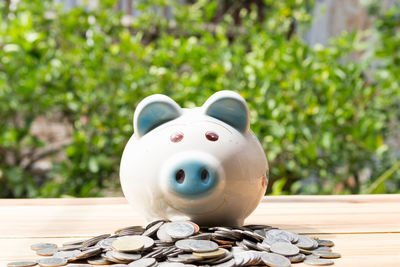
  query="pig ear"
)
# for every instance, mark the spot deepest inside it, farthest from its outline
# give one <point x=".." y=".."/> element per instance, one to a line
<point x="230" y="108"/>
<point x="153" y="111"/>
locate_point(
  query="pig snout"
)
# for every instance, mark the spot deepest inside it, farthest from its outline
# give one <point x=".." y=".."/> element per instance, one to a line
<point x="192" y="178"/>
<point x="192" y="175"/>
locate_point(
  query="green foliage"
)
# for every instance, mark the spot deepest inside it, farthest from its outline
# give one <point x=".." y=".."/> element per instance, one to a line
<point x="322" y="118"/>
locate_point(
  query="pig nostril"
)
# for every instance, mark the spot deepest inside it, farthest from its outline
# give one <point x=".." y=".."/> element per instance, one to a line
<point x="180" y="176"/>
<point x="205" y="176"/>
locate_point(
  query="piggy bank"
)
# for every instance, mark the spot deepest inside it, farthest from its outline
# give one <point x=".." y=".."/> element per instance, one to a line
<point x="202" y="164"/>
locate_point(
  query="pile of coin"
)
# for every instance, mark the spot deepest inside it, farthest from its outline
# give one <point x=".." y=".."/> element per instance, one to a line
<point x="185" y="244"/>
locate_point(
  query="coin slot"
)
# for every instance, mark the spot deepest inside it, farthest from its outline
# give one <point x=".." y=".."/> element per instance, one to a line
<point x="180" y="176"/>
<point x="205" y="176"/>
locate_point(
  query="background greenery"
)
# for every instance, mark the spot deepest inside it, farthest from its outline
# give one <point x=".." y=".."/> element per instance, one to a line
<point x="325" y="120"/>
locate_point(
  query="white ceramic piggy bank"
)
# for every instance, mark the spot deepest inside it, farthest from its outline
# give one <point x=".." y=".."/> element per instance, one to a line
<point x="202" y="164"/>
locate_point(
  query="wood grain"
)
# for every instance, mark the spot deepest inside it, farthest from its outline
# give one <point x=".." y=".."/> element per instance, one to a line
<point x="365" y="228"/>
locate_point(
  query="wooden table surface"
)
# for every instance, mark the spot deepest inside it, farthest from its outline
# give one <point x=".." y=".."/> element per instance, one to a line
<point x="365" y="228"/>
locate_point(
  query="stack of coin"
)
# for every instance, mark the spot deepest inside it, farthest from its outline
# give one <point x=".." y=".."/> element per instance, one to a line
<point x="184" y="243"/>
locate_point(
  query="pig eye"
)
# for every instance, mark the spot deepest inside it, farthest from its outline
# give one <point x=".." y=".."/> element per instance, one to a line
<point x="176" y="137"/>
<point x="212" y="136"/>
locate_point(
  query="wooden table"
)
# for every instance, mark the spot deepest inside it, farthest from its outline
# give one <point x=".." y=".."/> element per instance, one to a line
<point x="365" y="228"/>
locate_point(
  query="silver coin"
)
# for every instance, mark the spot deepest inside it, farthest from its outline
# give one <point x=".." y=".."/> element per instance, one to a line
<point x="260" y="232"/>
<point x="323" y="249"/>
<point x="318" y="262"/>
<point x="68" y="255"/>
<point x="184" y="244"/>
<point x="70" y="247"/>
<point x="143" y="263"/>
<point x="284" y="249"/>
<point x="40" y="246"/>
<point x="46" y="252"/>
<point x="21" y="264"/>
<point x="275" y="260"/>
<point x="269" y="240"/>
<point x="229" y="263"/>
<point x="109" y="256"/>
<point x="325" y="243"/>
<point x="162" y="234"/>
<point x="52" y="262"/>
<point x="87" y="253"/>
<point x="305" y="242"/>
<point x="327" y="254"/>
<point x="106" y="243"/>
<point x="249" y="244"/>
<point x="73" y="243"/>
<point x="279" y="234"/>
<point x="295" y="236"/>
<point x="150" y="231"/>
<point x="297" y="258"/>
<point x="179" y="229"/>
<point x="98" y="260"/>
<point x="263" y="247"/>
<point x="203" y="246"/>
<point x="94" y="240"/>
<point x="125" y="256"/>
<point x="203" y="236"/>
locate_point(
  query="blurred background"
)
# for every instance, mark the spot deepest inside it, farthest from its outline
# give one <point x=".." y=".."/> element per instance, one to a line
<point x="321" y="79"/>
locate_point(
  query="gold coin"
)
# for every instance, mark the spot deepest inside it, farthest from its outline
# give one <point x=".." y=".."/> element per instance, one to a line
<point x="128" y="244"/>
<point x="212" y="254"/>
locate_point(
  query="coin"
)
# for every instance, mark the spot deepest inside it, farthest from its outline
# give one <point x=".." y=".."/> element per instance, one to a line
<point x="73" y="242"/>
<point x="297" y="258"/>
<point x="68" y="255"/>
<point x="325" y="243"/>
<point x="109" y="256"/>
<point x="71" y="247"/>
<point x="275" y="260"/>
<point x="327" y="254"/>
<point x="143" y="263"/>
<point x="184" y="244"/>
<point x="323" y="249"/>
<point x="280" y="234"/>
<point x="179" y="229"/>
<point x="128" y="244"/>
<point x="212" y="254"/>
<point x="46" y="252"/>
<point x="316" y="261"/>
<point x="98" y="260"/>
<point x="40" y="246"/>
<point x="52" y="262"/>
<point x="203" y="236"/>
<point x="91" y="241"/>
<point x="162" y="234"/>
<point x="196" y="227"/>
<point x="125" y="256"/>
<point x="151" y="230"/>
<point x="284" y="249"/>
<point x="106" y="243"/>
<point x="229" y="263"/>
<point x="21" y="264"/>
<point x="305" y="242"/>
<point x="203" y="246"/>
<point x="87" y="254"/>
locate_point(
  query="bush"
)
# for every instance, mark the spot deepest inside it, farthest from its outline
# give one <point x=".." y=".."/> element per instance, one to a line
<point x="322" y="118"/>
